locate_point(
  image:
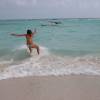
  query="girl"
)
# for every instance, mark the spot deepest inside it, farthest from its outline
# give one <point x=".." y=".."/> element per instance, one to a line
<point x="29" y="40"/>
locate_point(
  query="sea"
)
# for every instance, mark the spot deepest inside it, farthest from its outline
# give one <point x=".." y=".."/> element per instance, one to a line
<point x="67" y="47"/>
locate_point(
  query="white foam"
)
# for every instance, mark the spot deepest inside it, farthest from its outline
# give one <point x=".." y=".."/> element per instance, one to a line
<point x="45" y="65"/>
<point x="21" y="47"/>
<point x="6" y="62"/>
<point x="43" y="50"/>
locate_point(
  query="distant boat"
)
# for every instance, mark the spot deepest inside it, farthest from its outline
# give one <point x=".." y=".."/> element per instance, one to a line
<point x="55" y="22"/>
<point x="51" y="23"/>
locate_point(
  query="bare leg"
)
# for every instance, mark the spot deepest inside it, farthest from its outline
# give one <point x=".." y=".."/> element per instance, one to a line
<point x="38" y="51"/>
<point x="30" y="49"/>
<point x="36" y="47"/>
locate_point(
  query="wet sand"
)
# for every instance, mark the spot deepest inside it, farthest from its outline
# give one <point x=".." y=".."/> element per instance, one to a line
<point x="51" y="88"/>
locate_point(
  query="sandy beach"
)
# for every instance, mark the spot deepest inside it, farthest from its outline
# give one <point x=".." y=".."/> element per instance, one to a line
<point x="51" y="88"/>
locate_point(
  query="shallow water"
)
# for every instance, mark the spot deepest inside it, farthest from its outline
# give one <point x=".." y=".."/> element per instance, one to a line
<point x="71" y="47"/>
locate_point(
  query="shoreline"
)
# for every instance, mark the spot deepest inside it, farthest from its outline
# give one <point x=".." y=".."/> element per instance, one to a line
<point x="71" y="87"/>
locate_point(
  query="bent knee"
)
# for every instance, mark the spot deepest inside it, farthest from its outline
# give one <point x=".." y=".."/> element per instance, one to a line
<point x="35" y="46"/>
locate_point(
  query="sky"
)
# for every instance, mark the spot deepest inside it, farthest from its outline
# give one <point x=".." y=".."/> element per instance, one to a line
<point x="33" y="9"/>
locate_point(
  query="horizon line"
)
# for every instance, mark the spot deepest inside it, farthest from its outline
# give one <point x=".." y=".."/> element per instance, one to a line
<point x="51" y="18"/>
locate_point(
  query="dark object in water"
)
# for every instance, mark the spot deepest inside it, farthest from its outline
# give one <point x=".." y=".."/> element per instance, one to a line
<point x="51" y="23"/>
<point x="55" y="22"/>
<point x="43" y="25"/>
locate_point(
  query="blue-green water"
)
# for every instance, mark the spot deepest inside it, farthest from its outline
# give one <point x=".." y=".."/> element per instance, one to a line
<point x="72" y="41"/>
<point x="73" y="37"/>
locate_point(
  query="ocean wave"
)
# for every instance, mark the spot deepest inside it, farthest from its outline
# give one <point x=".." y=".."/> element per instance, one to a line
<point x="21" y="47"/>
<point x="48" y="64"/>
<point x="5" y="63"/>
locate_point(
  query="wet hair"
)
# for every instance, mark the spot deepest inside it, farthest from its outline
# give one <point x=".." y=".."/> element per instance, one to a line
<point x="29" y="31"/>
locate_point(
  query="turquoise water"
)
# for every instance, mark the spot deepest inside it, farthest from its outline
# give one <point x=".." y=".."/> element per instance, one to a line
<point x="72" y="37"/>
<point x="69" y="42"/>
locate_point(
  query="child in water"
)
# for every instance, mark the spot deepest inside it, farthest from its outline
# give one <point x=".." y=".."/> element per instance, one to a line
<point x="29" y="40"/>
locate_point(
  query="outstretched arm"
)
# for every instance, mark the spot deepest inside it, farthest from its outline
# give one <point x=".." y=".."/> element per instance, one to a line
<point x="13" y="34"/>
